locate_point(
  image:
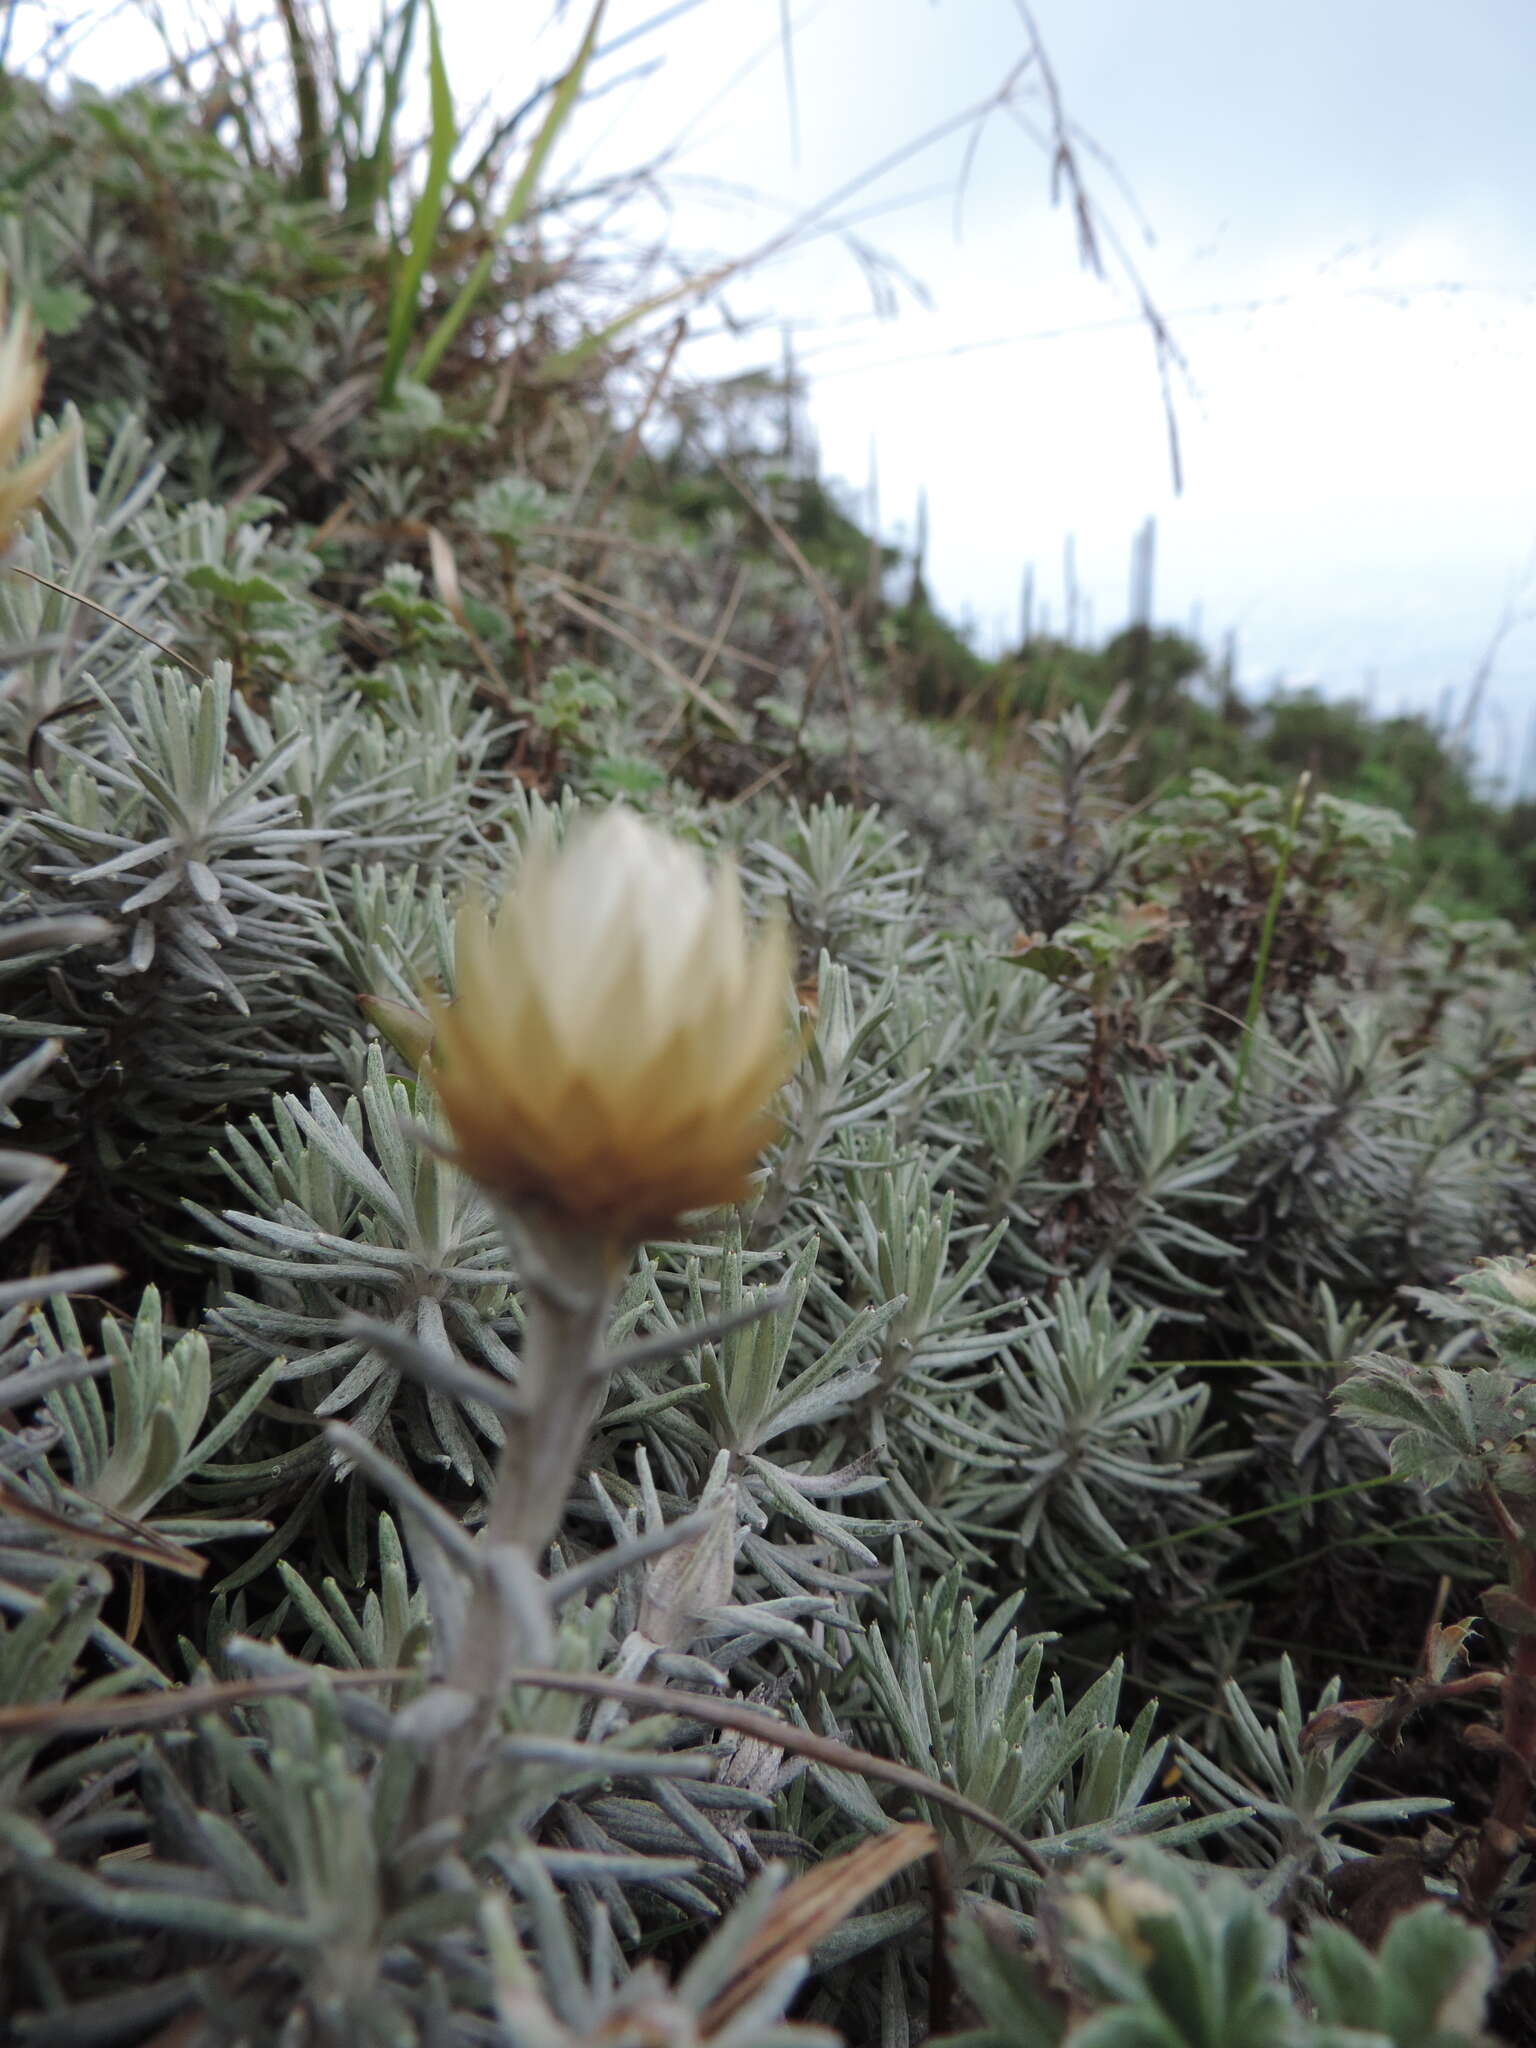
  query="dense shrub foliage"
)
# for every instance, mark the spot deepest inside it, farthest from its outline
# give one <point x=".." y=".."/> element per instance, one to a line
<point x="994" y="1444"/>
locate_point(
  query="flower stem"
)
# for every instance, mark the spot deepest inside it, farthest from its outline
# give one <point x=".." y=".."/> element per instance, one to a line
<point x="562" y="1361"/>
<point x="507" y="1618"/>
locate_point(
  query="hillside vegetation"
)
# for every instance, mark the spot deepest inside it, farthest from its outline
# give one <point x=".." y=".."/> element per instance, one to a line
<point x="1007" y="1578"/>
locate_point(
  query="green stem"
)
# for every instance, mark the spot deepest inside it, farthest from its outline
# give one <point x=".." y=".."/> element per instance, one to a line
<point x="1266" y="942"/>
<point x="314" y="144"/>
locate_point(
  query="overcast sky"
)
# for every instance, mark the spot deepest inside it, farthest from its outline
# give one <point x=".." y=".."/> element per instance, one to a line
<point x="1342" y="201"/>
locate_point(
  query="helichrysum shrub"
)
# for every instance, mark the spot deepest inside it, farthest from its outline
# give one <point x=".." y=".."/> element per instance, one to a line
<point x="575" y="1372"/>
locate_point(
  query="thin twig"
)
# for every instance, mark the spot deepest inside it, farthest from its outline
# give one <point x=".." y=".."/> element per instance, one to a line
<point x="826" y="604"/>
<point x="102" y="612"/>
<point x="146" y="1710"/>
<point x="631" y="440"/>
<point x="731" y="720"/>
<point x="673" y="628"/>
<point x="711" y="653"/>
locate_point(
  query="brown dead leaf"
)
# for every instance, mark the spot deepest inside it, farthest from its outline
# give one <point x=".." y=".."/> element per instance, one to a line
<point x="1368" y="1894"/>
<point x="1344" y="1721"/>
<point x="119" y="1534"/>
<point x="809" y="1908"/>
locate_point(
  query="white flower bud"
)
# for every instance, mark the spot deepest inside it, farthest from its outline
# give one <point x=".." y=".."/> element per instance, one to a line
<point x="615" y="1037"/>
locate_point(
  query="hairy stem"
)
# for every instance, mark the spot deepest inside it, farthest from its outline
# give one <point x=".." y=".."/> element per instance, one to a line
<point x="562" y="1362"/>
<point x="1503" y="1829"/>
<point x="508" y="1618"/>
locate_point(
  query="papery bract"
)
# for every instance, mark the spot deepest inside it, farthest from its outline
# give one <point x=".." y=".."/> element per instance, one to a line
<point x="21" y="386"/>
<point x="616" y="1034"/>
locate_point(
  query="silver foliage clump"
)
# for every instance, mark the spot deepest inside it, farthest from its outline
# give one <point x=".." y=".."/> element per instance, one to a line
<point x="882" y="1510"/>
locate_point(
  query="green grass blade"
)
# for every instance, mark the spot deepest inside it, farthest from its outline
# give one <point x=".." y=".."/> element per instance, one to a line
<point x="568" y="361"/>
<point x="373" y="171"/>
<point x="427" y="215"/>
<point x="560" y="109"/>
<point x="1275" y="1507"/>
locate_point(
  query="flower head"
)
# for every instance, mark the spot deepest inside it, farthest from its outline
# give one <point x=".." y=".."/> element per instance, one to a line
<point x="21" y="386"/>
<point x="615" y="1037"/>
